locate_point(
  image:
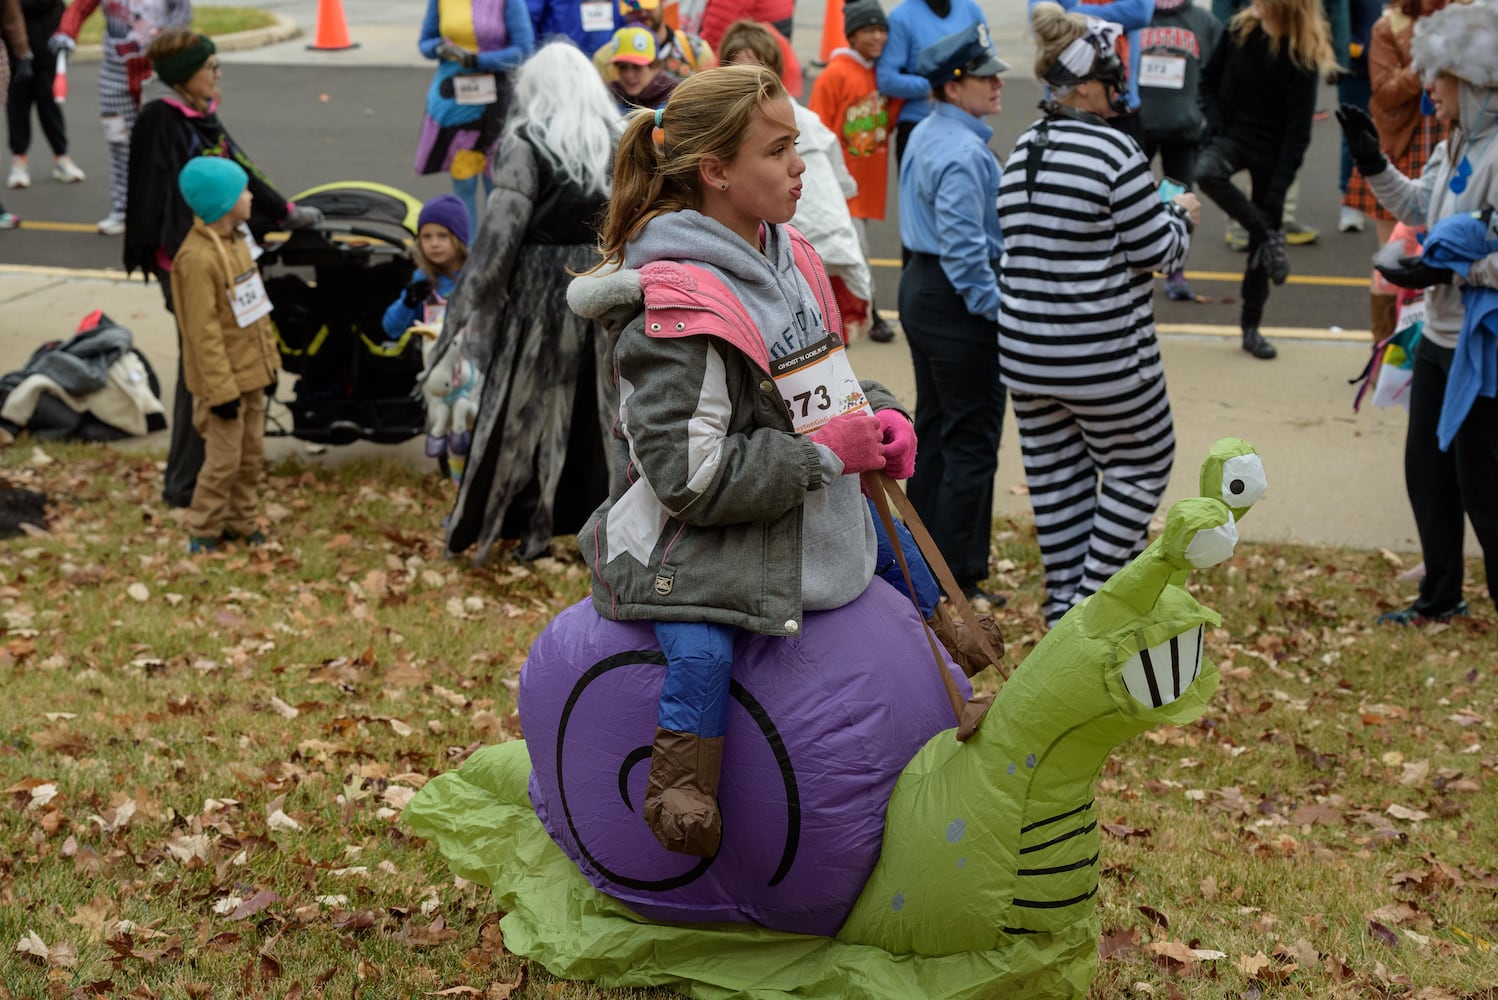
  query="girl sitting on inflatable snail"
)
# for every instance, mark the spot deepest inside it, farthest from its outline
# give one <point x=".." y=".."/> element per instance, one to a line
<point x="738" y="509"/>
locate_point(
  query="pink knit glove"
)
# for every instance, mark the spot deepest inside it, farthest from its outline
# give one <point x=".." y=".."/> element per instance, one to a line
<point x="899" y="444"/>
<point x="855" y="438"/>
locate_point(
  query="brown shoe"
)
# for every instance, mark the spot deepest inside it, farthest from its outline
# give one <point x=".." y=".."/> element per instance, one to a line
<point x="681" y="797"/>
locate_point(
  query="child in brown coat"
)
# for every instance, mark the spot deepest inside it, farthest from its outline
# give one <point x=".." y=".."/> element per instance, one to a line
<point x="229" y="352"/>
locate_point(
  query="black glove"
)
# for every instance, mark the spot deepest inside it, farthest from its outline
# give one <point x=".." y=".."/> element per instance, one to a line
<point x="453" y="53"/>
<point x="417" y="292"/>
<point x="21" y="72"/>
<point x="1413" y="272"/>
<point x="1362" y="140"/>
<point x="226" y="411"/>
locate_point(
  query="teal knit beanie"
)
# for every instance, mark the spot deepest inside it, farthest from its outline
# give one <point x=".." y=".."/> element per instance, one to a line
<point x="211" y="185"/>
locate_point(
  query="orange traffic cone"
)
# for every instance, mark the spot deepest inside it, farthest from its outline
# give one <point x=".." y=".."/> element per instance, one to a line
<point x="832" y="31"/>
<point x="332" y="28"/>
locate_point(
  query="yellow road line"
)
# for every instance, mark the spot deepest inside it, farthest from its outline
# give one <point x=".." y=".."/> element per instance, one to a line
<point x="1223" y="330"/>
<point x="1282" y="332"/>
<point x="1226" y="331"/>
<point x="60" y="227"/>
<point x="1322" y="280"/>
<point x="1327" y="280"/>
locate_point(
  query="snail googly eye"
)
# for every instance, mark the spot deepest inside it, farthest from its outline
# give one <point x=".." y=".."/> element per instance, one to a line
<point x="1243" y="482"/>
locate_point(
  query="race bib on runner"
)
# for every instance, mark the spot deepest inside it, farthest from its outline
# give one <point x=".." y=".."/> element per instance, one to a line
<point x="817" y="383"/>
<point x="248" y="299"/>
<point x="1410" y="313"/>
<point x="1166" y="72"/>
<point x="598" y="16"/>
<point x="477" y="88"/>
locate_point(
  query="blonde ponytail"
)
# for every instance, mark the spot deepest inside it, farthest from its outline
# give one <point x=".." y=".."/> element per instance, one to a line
<point x="657" y="167"/>
<point x="1054" y="30"/>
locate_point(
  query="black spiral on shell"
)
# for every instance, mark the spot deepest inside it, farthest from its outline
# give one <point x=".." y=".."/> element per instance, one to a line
<point x="762" y="720"/>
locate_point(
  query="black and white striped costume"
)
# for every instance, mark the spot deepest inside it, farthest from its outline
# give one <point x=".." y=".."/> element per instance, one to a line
<point x="129" y="26"/>
<point x="1083" y="231"/>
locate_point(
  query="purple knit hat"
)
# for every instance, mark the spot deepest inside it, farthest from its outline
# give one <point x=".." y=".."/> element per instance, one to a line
<point x="446" y="210"/>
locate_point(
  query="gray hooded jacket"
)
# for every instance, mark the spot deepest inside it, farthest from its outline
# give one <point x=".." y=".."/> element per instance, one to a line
<point x="1444" y="44"/>
<point x="722" y="512"/>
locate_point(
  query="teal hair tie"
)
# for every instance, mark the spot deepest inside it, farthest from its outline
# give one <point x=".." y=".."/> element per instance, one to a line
<point x="660" y="113"/>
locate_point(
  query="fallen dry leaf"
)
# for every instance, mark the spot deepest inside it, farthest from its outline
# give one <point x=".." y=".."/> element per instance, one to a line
<point x="1404" y="812"/>
<point x="58" y="956"/>
<point x="254" y="904"/>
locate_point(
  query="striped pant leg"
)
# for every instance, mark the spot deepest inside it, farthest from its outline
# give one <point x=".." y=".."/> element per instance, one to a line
<point x="115" y="100"/>
<point x="1062" y="480"/>
<point x="1131" y="440"/>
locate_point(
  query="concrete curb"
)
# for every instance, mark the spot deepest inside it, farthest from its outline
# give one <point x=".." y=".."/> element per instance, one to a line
<point x="283" y="30"/>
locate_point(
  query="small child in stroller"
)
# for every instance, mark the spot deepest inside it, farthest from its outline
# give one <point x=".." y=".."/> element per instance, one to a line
<point x="441" y="251"/>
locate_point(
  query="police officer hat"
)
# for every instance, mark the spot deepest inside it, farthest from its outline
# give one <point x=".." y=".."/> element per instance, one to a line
<point x="967" y="53"/>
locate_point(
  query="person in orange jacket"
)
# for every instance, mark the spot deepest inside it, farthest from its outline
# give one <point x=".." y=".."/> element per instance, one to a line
<point x="846" y="97"/>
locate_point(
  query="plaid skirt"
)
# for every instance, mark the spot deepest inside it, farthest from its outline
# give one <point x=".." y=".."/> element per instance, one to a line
<point x="1360" y="196"/>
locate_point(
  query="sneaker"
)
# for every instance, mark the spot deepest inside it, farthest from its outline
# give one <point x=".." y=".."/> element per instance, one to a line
<point x="9" y="220"/>
<point x="1236" y="236"/>
<point x="1298" y="236"/>
<point x="112" y="224"/>
<point x="1255" y="343"/>
<point x="65" y="171"/>
<point x="1177" y="288"/>
<point x="1410" y="616"/>
<point x="1351" y="220"/>
<point x="20" y="177"/>
<point x="198" y="546"/>
<point x="1272" y="258"/>
<point x="881" y="332"/>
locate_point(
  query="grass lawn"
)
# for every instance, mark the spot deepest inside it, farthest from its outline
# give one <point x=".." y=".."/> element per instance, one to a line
<point x="208" y="20"/>
<point x="204" y="759"/>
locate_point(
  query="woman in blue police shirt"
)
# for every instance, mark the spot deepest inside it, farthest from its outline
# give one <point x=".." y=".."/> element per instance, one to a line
<point x="949" y="299"/>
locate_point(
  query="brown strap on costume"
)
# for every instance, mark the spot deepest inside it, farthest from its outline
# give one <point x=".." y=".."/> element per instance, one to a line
<point x="874" y="483"/>
<point x="880" y="484"/>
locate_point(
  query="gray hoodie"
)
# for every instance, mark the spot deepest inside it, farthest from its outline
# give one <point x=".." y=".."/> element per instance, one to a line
<point x="768" y="284"/>
<point x="1428" y="199"/>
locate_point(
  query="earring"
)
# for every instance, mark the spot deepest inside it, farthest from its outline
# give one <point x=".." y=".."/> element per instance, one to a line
<point x="722" y="185"/>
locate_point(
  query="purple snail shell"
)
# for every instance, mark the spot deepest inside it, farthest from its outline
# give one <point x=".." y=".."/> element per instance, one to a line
<point x="820" y="727"/>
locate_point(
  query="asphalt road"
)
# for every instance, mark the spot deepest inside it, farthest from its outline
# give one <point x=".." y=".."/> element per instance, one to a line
<point x="308" y="125"/>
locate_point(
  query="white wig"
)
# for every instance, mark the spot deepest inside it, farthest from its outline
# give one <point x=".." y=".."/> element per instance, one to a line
<point x="568" y="115"/>
<point x="1460" y="39"/>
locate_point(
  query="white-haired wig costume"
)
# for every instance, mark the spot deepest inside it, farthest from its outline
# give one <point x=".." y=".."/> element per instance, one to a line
<point x="1460" y="39"/>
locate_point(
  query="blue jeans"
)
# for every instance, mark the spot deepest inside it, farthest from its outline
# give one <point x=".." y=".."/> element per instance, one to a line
<point x="699" y="665"/>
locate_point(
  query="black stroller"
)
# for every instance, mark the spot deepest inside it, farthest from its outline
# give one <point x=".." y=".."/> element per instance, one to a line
<point x="330" y="286"/>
